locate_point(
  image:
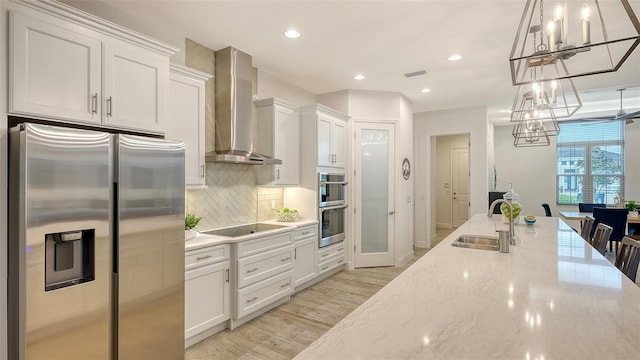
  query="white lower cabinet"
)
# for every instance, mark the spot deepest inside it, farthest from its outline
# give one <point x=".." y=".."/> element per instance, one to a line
<point x="306" y="246"/>
<point x="207" y="296"/>
<point x="330" y="257"/>
<point x="263" y="275"/>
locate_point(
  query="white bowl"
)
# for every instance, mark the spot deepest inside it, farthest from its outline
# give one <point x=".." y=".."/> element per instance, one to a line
<point x="286" y="216"/>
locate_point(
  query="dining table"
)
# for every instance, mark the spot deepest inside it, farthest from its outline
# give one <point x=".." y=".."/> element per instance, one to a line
<point x="577" y="215"/>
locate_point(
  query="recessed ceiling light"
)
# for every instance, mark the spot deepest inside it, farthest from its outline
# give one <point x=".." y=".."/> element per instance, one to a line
<point x="292" y="34"/>
<point x="359" y="77"/>
<point x="425" y="90"/>
<point x="455" y="57"/>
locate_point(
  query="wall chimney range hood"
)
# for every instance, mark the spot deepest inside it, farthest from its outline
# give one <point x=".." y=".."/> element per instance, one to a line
<point x="234" y="106"/>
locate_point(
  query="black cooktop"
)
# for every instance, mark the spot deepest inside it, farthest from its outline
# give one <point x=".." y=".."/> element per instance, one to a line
<point x="244" y="229"/>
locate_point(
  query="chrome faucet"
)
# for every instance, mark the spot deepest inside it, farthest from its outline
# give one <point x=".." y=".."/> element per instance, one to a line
<point x="512" y="235"/>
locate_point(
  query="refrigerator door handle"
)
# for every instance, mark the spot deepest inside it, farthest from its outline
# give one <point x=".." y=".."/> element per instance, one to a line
<point x="73" y="236"/>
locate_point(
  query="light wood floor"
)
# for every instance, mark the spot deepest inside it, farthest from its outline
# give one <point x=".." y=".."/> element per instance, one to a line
<point x="285" y="331"/>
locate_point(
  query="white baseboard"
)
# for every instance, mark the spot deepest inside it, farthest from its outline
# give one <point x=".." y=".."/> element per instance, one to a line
<point x="422" y="244"/>
<point x="405" y="259"/>
<point x="444" y="225"/>
<point x="205" y="334"/>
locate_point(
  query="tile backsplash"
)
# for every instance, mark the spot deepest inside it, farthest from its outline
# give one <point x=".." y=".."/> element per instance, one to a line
<point x="232" y="197"/>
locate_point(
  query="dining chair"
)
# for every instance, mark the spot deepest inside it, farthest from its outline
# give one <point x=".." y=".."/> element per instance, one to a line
<point x="547" y="210"/>
<point x="601" y="237"/>
<point x="628" y="257"/>
<point x="614" y="217"/>
<point x="587" y="207"/>
<point x="586" y="227"/>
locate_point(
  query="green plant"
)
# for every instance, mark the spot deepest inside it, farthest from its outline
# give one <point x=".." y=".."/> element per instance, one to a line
<point x="632" y="205"/>
<point x="191" y="220"/>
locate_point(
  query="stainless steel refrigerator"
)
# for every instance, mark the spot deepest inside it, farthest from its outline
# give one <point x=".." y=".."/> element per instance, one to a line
<point x="96" y="245"/>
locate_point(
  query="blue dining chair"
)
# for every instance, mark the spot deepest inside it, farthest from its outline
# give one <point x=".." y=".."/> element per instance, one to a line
<point x="547" y="210"/>
<point x="614" y="217"/>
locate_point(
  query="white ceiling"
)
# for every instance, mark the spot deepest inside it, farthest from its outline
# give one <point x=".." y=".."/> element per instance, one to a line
<point x="383" y="40"/>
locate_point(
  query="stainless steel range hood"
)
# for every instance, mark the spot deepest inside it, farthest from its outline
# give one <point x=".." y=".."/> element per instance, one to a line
<point x="234" y="106"/>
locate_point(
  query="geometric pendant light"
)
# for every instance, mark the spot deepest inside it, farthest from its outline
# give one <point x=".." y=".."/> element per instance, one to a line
<point x="583" y="37"/>
<point x="545" y="98"/>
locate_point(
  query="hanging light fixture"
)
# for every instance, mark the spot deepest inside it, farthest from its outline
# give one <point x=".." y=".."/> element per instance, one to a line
<point x="576" y="36"/>
<point x="530" y="133"/>
<point x="540" y="99"/>
<point x="545" y="98"/>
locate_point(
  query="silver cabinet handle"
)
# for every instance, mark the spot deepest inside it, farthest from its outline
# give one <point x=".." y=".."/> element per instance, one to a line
<point x="278" y="174"/>
<point x="295" y="253"/>
<point x="340" y="261"/>
<point x="285" y="285"/>
<point x="227" y="272"/>
<point x="252" y="270"/>
<point x="341" y="249"/>
<point x="203" y="257"/>
<point x="252" y="300"/>
<point x="305" y="232"/>
<point x="94" y="103"/>
<point x="391" y="212"/>
<point x="110" y="106"/>
<point x="324" y="255"/>
<point x="202" y="170"/>
<point x="285" y="259"/>
<point x="325" y="267"/>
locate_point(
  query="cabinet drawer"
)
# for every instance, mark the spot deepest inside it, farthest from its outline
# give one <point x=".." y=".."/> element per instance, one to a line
<point x="209" y="255"/>
<point x="258" y="246"/>
<point x="329" y="252"/>
<point x="264" y="293"/>
<point x="330" y="264"/>
<point x="305" y="232"/>
<point x="259" y="267"/>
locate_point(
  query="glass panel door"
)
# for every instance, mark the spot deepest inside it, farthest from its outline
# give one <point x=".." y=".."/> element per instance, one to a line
<point x="375" y="203"/>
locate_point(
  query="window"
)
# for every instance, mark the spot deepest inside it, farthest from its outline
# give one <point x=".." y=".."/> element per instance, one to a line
<point x="590" y="162"/>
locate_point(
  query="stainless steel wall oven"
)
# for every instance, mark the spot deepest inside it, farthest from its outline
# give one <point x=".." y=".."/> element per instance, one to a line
<point x="332" y="205"/>
<point x="331" y="189"/>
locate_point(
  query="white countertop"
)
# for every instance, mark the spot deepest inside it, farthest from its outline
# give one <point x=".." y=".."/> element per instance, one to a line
<point x="204" y="240"/>
<point x="551" y="297"/>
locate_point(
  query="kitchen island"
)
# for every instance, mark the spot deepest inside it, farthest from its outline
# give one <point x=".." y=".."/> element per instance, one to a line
<point x="551" y="297"/>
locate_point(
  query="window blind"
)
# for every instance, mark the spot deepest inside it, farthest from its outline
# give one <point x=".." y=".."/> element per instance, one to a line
<point x="590" y="161"/>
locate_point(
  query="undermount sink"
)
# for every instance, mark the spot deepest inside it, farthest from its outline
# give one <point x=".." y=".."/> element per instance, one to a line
<point x="476" y="242"/>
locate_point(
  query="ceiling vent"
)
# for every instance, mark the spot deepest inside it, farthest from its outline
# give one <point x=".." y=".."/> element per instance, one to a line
<point x="415" y="73"/>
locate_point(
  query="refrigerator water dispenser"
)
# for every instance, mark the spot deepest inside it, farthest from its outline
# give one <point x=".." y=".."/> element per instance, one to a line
<point x="69" y="258"/>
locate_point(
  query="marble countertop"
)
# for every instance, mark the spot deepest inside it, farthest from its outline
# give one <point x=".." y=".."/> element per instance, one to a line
<point x="204" y="240"/>
<point x="551" y="297"/>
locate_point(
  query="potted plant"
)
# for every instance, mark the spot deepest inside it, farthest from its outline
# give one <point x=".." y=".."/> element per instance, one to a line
<point x="632" y="206"/>
<point x="191" y="220"/>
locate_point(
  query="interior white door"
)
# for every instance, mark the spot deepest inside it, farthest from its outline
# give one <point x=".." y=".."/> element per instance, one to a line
<point x="460" y="181"/>
<point x="374" y="195"/>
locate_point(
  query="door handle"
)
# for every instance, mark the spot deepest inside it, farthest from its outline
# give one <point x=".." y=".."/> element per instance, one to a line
<point x="391" y="212"/>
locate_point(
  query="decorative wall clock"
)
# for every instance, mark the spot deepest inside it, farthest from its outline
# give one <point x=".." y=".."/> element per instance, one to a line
<point x="406" y="169"/>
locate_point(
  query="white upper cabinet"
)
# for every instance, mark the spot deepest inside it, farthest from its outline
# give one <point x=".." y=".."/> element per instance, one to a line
<point x="331" y="135"/>
<point x="186" y="119"/>
<point x="56" y="70"/>
<point x="69" y="66"/>
<point x="279" y="137"/>
<point x="135" y="88"/>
